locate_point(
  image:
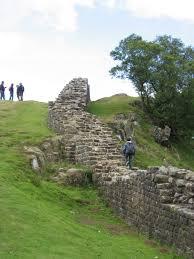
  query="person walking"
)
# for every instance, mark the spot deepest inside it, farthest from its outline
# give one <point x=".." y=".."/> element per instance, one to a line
<point x="2" y="91"/>
<point x="11" y="92"/>
<point x="129" y="152"/>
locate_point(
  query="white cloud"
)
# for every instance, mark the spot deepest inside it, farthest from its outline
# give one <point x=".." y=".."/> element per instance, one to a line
<point x="108" y="3"/>
<point x="176" y="9"/>
<point x="59" y="14"/>
<point x="62" y="14"/>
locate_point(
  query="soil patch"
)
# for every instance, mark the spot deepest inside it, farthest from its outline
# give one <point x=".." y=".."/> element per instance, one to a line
<point x="83" y="202"/>
<point x="118" y="229"/>
<point x="114" y="229"/>
<point x="151" y="243"/>
<point x="87" y="221"/>
<point x="164" y="250"/>
<point x="95" y="209"/>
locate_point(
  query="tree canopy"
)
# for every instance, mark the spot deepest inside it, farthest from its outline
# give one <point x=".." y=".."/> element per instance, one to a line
<point x="162" y="72"/>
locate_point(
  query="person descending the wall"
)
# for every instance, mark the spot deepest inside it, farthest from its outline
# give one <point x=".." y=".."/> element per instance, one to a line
<point x="2" y="91"/>
<point x="11" y="91"/>
<point x="20" y="92"/>
<point x="129" y="152"/>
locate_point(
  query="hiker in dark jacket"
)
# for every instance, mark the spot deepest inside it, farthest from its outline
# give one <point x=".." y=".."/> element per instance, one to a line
<point x="2" y="91"/>
<point x="11" y="91"/>
<point x="17" y="92"/>
<point x="20" y="92"/>
<point x="129" y="152"/>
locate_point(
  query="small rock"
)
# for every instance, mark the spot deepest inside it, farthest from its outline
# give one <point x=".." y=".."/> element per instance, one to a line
<point x="164" y="185"/>
<point x="166" y="192"/>
<point x="191" y="201"/>
<point x="177" y="195"/>
<point x="171" y="180"/>
<point x="181" y="173"/>
<point x="190" y="186"/>
<point x="180" y="183"/>
<point x="190" y="176"/>
<point x="36" y="157"/>
<point x="166" y="199"/>
<point x="183" y="199"/>
<point x="74" y="170"/>
<point x="163" y="170"/>
<point x="153" y="169"/>
<point x="35" y="165"/>
<point x="61" y="170"/>
<point x="159" y="178"/>
<point x="172" y="170"/>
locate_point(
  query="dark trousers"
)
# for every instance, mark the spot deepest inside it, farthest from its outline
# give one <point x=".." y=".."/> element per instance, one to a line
<point x="2" y="96"/>
<point x="129" y="160"/>
<point x="20" y="96"/>
<point x="11" y="96"/>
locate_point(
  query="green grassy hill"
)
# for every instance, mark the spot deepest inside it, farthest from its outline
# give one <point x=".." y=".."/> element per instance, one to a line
<point x="39" y="219"/>
<point x="149" y="153"/>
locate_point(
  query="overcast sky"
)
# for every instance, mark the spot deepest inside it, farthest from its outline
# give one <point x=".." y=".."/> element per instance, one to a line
<point x="46" y="43"/>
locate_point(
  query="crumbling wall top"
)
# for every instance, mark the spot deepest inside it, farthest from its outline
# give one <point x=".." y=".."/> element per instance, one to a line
<point x="75" y="95"/>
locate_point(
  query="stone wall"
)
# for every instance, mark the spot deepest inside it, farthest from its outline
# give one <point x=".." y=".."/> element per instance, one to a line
<point x="85" y="139"/>
<point x="157" y="201"/>
<point x="147" y="199"/>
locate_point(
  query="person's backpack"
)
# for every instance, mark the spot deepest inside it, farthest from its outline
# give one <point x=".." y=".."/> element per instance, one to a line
<point x="129" y="149"/>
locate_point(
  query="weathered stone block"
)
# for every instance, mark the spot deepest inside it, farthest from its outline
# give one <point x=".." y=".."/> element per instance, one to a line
<point x="159" y="178"/>
<point x="190" y="176"/>
<point x="180" y="183"/>
<point x="190" y="186"/>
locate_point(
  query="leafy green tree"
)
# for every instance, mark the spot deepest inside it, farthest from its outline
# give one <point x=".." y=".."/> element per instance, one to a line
<point x="162" y="72"/>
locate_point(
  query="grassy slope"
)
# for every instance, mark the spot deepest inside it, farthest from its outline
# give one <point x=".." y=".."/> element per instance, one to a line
<point x="49" y="221"/>
<point x="148" y="151"/>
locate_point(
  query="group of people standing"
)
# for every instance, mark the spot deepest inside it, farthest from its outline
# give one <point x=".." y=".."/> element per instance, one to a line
<point x="19" y="91"/>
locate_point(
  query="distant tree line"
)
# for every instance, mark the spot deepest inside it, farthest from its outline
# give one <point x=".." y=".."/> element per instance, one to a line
<point x="162" y="72"/>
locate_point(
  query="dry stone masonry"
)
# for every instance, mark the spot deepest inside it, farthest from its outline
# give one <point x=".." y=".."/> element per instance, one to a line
<point x="158" y="201"/>
<point x="85" y="139"/>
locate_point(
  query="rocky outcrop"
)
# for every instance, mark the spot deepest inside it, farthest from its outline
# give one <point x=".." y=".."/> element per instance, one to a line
<point x="158" y="201"/>
<point x="71" y="176"/>
<point x="162" y="136"/>
<point x="36" y="158"/>
<point x="51" y="150"/>
<point x="123" y="125"/>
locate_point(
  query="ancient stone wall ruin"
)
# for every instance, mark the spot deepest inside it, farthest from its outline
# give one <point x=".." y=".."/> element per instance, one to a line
<point x="85" y="138"/>
<point x="157" y="201"/>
